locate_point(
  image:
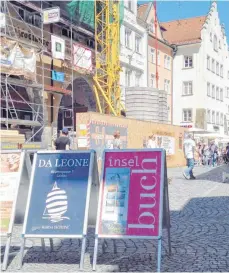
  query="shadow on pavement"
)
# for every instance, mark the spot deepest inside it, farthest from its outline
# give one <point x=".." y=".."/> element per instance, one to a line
<point x="214" y="174"/>
<point x="199" y="234"/>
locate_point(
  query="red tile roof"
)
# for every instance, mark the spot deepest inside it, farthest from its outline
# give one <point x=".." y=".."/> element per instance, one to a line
<point x="141" y="10"/>
<point x="183" y="31"/>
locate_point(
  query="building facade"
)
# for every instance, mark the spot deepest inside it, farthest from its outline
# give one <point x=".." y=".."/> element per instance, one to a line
<point x="146" y="13"/>
<point x="133" y="50"/>
<point x="200" y="69"/>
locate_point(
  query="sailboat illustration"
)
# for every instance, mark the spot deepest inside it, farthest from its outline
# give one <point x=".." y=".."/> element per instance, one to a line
<point x="56" y="205"/>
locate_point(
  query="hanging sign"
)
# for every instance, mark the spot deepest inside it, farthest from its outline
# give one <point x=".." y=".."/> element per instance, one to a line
<point x="51" y="15"/>
<point x="58" y="47"/>
<point x="131" y="196"/>
<point x="57" y="76"/>
<point x="11" y="168"/>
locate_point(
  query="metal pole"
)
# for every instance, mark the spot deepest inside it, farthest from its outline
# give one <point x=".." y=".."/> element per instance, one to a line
<point x="42" y="53"/>
<point x="6" y="254"/>
<point x="22" y="253"/>
<point x="7" y="104"/>
<point x="95" y="253"/>
<point x="73" y="112"/>
<point x="159" y="255"/>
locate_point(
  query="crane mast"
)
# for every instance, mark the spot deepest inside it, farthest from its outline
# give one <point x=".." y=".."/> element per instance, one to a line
<point x="107" y="43"/>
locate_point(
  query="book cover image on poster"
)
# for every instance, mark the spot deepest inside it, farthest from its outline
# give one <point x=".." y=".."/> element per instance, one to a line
<point x="10" y="162"/>
<point x="115" y="201"/>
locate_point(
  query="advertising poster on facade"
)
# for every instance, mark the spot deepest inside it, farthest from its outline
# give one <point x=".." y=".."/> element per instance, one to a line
<point x="51" y="15"/>
<point x="10" y="179"/>
<point x="82" y="57"/>
<point x="132" y="193"/>
<point x="58" y="47"/>
<point x="58" y="194"/>
<point x="167" y="143"/>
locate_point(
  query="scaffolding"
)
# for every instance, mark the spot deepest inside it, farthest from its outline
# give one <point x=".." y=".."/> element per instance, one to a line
<point x="24" y="25"/>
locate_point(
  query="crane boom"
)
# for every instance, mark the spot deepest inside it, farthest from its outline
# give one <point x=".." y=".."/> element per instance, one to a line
<point x="107" y="43"/>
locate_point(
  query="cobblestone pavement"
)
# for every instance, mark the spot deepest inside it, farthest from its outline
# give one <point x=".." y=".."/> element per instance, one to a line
<point x="199" y="234"/>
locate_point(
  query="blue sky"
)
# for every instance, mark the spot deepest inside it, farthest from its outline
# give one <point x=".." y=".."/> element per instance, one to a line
<point x="172" y="10"/>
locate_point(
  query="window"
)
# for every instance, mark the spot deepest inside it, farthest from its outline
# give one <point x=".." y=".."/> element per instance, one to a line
<point x="221" y="94"/>
<point x="209" y="116"/>
<point x="219" y="45"/>
<point x="158" y="57"/>
<point x="213" y="91"/>
<point x="153" y="78"/>
<point x="210" y="36"/>
<point x="188" y="62"/>
<point x="213" y="117"/>
<point x="127" y="37"/>
<point x="217" y="118"/>
<point x="217" y="93"/>
<point x="215" y="43"/>
<point x="151" y="26"/>
<point x="227" y="92"/>
<point x="137" y="79"/>
<point x="167" y="62"/>
<point x="213" y="65"/>
<point x="167" y="85"/>
<point x="128" y="77"/>
<point x="187" y="115"/>
<point x="153" y="55"/>
<point x="208" y="62"/>
<point x="137" y="44"/>
<point x="221" y="119"/>
<point x="221" y="70"/>
<point x="130" y="5"/>
<point x="217" y="68"/>
<point x="187" y="88"/>
<point x="208" y="89"/>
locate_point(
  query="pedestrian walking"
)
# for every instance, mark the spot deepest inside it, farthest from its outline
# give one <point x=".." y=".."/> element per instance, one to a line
<point x="213" y="150"/>
<point x="117" y="141"/>
<point x="151" y="144"/>
<point x="63" y="142"/>
<point x="189" y="150"/>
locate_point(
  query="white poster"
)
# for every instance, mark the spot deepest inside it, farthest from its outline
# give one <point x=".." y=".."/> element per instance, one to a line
<point x="51" y="15"/>
<point x="2" y="20"/>
<point x="17" y="60"/>
<point x="58" y="47"/>
<point x="82" y="57"/>
<point x="167" y="143"/>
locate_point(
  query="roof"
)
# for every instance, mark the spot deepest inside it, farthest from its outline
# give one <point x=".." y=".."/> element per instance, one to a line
<point x="183" y="31"/>
<point x="141" y="10"/>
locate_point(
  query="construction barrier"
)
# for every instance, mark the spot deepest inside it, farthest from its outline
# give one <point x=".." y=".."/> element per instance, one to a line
<point x="95" y="131"/>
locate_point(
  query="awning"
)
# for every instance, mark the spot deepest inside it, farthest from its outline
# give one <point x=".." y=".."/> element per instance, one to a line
<point x="198" y="131"/>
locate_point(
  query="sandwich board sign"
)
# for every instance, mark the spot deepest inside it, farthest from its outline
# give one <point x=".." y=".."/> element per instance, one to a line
<point x="58" y="199"/>
<point x="131" y="197"/>
<point x="11" y="171"/>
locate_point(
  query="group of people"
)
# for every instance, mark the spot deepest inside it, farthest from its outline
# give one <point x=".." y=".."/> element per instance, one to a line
<point x="208" y="155"/>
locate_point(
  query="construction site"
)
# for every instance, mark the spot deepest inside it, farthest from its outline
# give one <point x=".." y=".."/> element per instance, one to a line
<point x="60" y="60"/>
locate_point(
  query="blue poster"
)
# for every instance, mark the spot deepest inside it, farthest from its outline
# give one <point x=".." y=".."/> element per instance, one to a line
<point x="57" y="76"/>
<point x="59" y="192"/>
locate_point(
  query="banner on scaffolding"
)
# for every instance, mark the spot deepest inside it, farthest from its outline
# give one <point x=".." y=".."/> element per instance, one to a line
<point x="51" y="15"/>
<point x="57" y="76"/>
<point x="17" y="60"/>
<point x="2" y="20"/>
<point x="58" y="47"/>
<point x="82" y="57"/>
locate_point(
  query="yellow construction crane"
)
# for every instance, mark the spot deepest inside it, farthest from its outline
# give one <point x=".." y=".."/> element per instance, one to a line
<point x="107" y="43"/>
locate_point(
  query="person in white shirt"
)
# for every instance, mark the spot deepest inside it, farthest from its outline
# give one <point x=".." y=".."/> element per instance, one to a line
<point x="189" y="150"/>
<point x="151" y="144"/>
